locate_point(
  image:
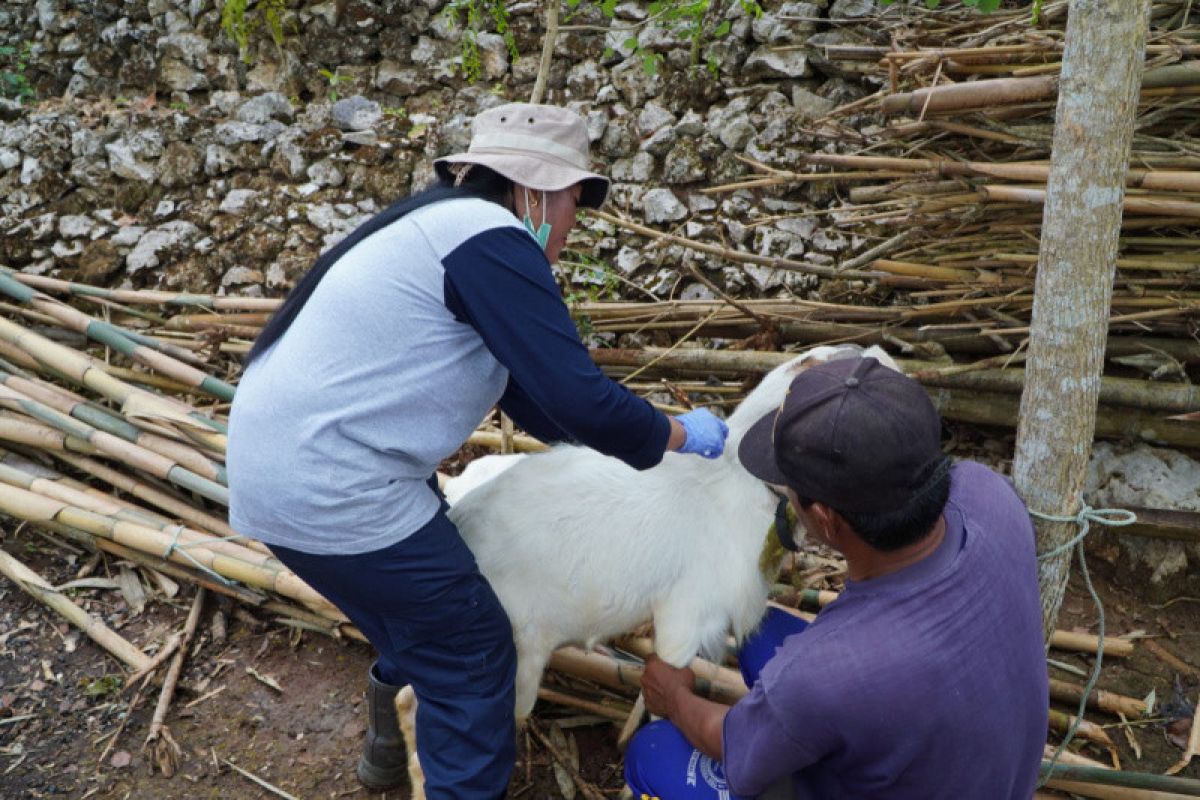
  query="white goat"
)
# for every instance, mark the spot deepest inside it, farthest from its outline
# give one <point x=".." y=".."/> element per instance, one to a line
<point x="580" y="547"/>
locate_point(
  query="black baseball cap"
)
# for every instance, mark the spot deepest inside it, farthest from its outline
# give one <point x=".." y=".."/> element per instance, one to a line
<point x="853" y="434"/>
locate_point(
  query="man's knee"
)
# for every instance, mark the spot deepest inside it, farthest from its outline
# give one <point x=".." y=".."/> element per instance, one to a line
<point x="661" y="763"/>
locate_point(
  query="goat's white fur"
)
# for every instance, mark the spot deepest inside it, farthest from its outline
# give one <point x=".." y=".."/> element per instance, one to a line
<point x="580" y="547"/>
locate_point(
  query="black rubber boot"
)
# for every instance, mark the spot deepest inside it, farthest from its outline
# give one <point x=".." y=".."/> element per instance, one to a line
<point x="384" y="761"/>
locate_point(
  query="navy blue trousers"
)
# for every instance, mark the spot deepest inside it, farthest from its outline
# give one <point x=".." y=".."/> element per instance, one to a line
<point x="661" y="763"/>
<point x="438" y="626"/>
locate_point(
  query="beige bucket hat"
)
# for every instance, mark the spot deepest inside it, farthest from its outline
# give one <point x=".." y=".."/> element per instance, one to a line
<point x="539" y="146"/>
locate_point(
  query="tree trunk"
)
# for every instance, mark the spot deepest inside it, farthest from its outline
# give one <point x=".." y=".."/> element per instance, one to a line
<point x="543" y="73"/>
<point x="1097" y="105"/>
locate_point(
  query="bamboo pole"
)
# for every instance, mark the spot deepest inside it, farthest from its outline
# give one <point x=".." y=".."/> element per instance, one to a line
<point x="32" y="583"/>
<point x="147" y="296"/>
<point x="123" y="342"/>
<point x="26" y="505"/>
<point x="1111" y="702"/>
<point x="168" y="688"/>
<point x="1185" y="787"/>
<point x="135" y="403"/>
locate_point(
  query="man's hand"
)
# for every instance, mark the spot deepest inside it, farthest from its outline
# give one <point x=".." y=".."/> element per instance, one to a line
<point x="669" y="693"/>
<point x="662" y="684"/>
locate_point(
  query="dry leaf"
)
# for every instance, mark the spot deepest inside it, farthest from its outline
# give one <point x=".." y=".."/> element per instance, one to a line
<point x="267" y="679"/>
<point x="120" y="759"/>
<point x="131" y="589"/>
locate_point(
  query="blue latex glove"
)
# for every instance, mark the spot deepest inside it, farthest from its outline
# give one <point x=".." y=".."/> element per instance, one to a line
<point x="705" y="433"/>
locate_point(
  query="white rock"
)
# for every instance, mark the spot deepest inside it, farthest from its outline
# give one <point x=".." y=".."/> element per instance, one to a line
<point x="124" y="164"/>
<point x="325" y="173"/>
<point x="653" y="117"/>
<point x="170" y="234"/>
<point x="237" y="200"/>
<point x="661" y="205"/>
<point x="31" y="171"/>
<point x="9" y="158"/>
<point x="75" y="226"/>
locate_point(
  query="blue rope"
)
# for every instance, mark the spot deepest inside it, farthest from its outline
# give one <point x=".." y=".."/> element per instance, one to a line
<point x="1112" y="517"/>
<point x="182" y="549"/>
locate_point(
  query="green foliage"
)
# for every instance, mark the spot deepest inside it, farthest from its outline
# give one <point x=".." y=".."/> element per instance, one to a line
<point x="104" y="686"/>
<point x="333" y="79"/>
<point x="687" y="19"/>
<point x="14" y="83"/>
<point x="600" y="281"/>
<point x="240" y="22"/>
<point x="470" y="15"/>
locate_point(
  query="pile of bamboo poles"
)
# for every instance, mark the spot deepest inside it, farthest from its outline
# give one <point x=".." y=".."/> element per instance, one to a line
<point x="940" y="181"/>
<point x="112" y="437"/>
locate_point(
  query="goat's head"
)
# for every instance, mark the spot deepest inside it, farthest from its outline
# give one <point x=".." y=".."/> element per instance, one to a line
<point x="768" y="395"/>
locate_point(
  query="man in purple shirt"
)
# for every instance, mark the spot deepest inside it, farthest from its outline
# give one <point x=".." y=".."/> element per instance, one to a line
<point x="926" y="678"/>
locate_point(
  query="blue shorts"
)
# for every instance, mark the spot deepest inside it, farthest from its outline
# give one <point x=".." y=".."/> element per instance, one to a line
<point x="438" y="626"/>
<point x="661" y="763"/>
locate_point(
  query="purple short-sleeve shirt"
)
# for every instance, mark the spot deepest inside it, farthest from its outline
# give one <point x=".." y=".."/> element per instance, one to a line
<point x="925" y="683"/>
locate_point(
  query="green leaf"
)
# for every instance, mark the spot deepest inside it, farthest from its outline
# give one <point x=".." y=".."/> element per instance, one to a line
<point x="650" y="63"/>
<point x="988" y="6"/>
<point x="936" y="3"/>
<point x="608" y="53"/>
<point x="722" y="29"/>
<point x="631" y="43"/>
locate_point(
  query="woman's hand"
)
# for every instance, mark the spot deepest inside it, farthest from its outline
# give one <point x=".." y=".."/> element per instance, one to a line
<point x="703" y="433"/>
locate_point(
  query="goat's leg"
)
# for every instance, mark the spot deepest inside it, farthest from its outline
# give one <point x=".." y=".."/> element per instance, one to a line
<point x="679" y="633"/>
<point x="531" y="663"/>
<point x="406" y="711"/>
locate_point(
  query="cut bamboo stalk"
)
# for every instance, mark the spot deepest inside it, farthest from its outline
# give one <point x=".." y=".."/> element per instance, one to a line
<point x="591" y="707"/>
<point x="147" y="297"/>
<point x="73" y="432"/>
<point x="607" y="671"/>
<point x="1182" y="787"/>
<point x="1113" y="703"/>
<point x="242" y="594"/>
<point x="976" y="94"/>
<point x="26" y="505"/>
<point x="135" y="403"/>
<point x="108" y="421"/>
<point x="32" y="583"/>
<point x="121" y="341"/>
<point x="494" y="440"/>
<point x="168" y="688"/>
<point x="1062" y="722"/>
<point x="1061" y="640"/>
<point x="155" y="497"/>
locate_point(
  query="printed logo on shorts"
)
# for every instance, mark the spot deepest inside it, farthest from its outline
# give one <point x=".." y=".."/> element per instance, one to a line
<point x="711" y="771"/>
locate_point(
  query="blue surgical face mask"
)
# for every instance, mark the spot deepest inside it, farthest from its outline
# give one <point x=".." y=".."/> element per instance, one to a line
<point x="542" y="234"/>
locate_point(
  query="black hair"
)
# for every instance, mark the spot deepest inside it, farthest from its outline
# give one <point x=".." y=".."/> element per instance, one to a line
<point x="479" y="182"/>
<point x="892" y="530"/>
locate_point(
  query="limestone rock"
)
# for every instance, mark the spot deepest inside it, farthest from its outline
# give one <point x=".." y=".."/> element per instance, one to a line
<point x="661" y="205"/>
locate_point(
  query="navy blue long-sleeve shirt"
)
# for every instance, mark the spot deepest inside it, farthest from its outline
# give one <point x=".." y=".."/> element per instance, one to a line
<point x="404" y="345"/>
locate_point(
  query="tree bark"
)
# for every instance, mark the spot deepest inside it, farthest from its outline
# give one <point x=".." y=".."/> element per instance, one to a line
<point x="543" y="73"/>
<point x="1097" y="105"/>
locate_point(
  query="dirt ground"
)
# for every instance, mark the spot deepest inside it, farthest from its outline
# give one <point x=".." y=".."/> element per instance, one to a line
<point x="67" y="731"/>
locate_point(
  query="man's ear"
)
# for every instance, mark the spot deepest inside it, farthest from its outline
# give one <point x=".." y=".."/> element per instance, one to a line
<point x="833" y="525"/>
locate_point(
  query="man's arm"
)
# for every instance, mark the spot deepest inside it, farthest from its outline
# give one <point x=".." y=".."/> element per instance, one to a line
<point x="669" y="693"/>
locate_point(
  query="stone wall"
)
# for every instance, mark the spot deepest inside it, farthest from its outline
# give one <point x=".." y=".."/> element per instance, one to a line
<point x="155" y="155"/>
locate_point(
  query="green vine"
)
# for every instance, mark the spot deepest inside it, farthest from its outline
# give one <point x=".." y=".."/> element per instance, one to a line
<point x="470" y="15"/>
<point x="14" y="83"/>
<point x="689" y="19"/>
<point x="240" y="22"/>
